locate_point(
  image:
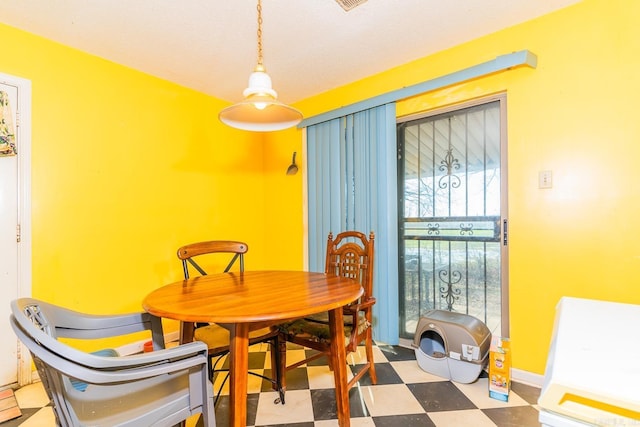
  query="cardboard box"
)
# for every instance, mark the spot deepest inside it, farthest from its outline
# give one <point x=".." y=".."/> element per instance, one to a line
<point x="499" y="368"/>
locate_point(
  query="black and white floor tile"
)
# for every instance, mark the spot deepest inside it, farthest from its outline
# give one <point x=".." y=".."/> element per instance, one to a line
<point x="405" y="396"/>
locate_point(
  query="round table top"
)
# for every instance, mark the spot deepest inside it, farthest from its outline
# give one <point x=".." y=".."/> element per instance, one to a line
<point x="251" y="296"/>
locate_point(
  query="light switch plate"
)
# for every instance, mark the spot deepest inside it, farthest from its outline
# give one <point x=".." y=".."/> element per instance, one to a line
<point x="545" y="179"/>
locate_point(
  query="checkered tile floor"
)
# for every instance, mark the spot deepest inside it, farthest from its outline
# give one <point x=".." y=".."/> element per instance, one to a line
<point x="404" y="396"/>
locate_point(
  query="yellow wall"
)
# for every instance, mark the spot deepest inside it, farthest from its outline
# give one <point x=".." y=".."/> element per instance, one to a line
<point x="127" y="167"/>
<point x="575" y="114"/>
<point x="283" y="199"/>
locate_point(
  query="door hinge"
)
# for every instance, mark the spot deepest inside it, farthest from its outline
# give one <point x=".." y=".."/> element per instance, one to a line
<point x="18" y="233"/>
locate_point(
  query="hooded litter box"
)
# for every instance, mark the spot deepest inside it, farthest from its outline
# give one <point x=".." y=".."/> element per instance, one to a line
<point x="452" y="345"/>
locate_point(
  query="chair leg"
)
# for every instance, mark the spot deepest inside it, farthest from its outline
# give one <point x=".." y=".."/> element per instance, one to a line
<point x="210" y="368"/>
<point x="212" y="371"/>
<point x="276" y="368"/>
<point x="282" y="362"/>
<point x="217" y="395"/>
<point x="369" y="351"/>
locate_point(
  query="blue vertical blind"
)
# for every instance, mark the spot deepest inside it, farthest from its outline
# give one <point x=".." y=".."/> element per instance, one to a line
<point x="352" y="185"/>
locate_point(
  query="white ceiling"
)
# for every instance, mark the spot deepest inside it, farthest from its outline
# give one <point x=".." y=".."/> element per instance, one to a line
<point x="310" y="46"/>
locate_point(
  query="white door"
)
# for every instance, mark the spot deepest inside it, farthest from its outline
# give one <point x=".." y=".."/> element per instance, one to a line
<point x="15" y="241"/>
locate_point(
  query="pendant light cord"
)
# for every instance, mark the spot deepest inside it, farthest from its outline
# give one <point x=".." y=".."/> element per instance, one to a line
<point x="260" y="65"/>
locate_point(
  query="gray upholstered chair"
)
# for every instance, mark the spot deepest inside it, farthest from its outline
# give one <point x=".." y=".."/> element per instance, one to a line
<point x="160" y="388"/>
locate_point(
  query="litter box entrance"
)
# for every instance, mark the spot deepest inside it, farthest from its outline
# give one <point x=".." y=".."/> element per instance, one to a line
<point x="432" y="344"/>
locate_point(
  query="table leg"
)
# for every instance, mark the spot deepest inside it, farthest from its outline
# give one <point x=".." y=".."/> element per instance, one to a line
<point x="186" y="332"/>
<point x="339" y="363"/>
<point x="238" y="371"/>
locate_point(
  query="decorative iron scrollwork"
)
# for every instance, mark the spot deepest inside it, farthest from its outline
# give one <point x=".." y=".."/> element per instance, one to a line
<point x="466" y="229"/>
<point x="433" y="229"/>
<point x="450" y="294"/>
<point x="449" y="163"/>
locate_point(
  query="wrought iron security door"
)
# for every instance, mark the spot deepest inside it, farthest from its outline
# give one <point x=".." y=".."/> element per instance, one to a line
<point x="450" y="248"/>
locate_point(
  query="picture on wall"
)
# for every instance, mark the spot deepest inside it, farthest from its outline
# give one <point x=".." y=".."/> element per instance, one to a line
<point x="7" y="133"/>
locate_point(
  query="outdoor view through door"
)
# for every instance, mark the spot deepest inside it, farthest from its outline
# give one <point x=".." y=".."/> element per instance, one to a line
<point x="450" y="185"/>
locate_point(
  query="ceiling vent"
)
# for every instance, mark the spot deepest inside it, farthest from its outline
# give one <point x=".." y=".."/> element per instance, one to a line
<point x="350" y="4"/>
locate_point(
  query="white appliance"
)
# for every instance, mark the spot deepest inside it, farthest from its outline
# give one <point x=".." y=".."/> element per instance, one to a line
<point x="592" y="375"/>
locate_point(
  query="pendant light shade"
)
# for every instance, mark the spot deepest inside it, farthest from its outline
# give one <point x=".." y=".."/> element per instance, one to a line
<point x="260" y="110"/>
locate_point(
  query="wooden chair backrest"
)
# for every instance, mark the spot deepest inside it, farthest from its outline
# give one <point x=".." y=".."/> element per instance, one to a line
<point x="188" y="252"/>
<point x="350" y="255"/>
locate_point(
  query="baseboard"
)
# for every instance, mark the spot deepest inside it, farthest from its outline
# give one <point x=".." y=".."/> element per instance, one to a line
<point x="138" y="346"/>
<point x="526" y="377"/>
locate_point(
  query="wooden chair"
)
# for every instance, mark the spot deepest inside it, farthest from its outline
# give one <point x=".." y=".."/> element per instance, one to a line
<point x="350" y="254"/>
<point x="217" y="337"/>
<point x="159" y="388"/>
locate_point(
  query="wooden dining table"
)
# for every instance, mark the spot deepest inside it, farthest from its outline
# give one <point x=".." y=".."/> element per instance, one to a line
<point x="250" y="300"/>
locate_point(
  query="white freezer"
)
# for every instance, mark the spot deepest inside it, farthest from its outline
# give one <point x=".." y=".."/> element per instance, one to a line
<point x="592" y="375"/>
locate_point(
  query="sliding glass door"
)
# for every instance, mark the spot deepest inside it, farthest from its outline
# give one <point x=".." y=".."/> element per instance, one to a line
<point x="452" y="210"/>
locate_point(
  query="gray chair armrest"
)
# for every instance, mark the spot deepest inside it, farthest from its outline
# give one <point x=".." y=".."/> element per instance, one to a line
<point x="122" y="368"/>
<point x="46" y="322"/>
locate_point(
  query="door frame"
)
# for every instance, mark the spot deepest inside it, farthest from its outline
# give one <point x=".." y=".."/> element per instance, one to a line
<point x="501" y="97"/>
<point x="23" y="132"/>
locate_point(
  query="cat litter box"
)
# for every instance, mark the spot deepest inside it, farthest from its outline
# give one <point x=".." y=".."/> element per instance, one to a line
<point x="452" y="345"/>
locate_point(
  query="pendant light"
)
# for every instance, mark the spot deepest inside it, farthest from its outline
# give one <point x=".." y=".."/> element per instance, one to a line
<point x="260" y="110"/>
